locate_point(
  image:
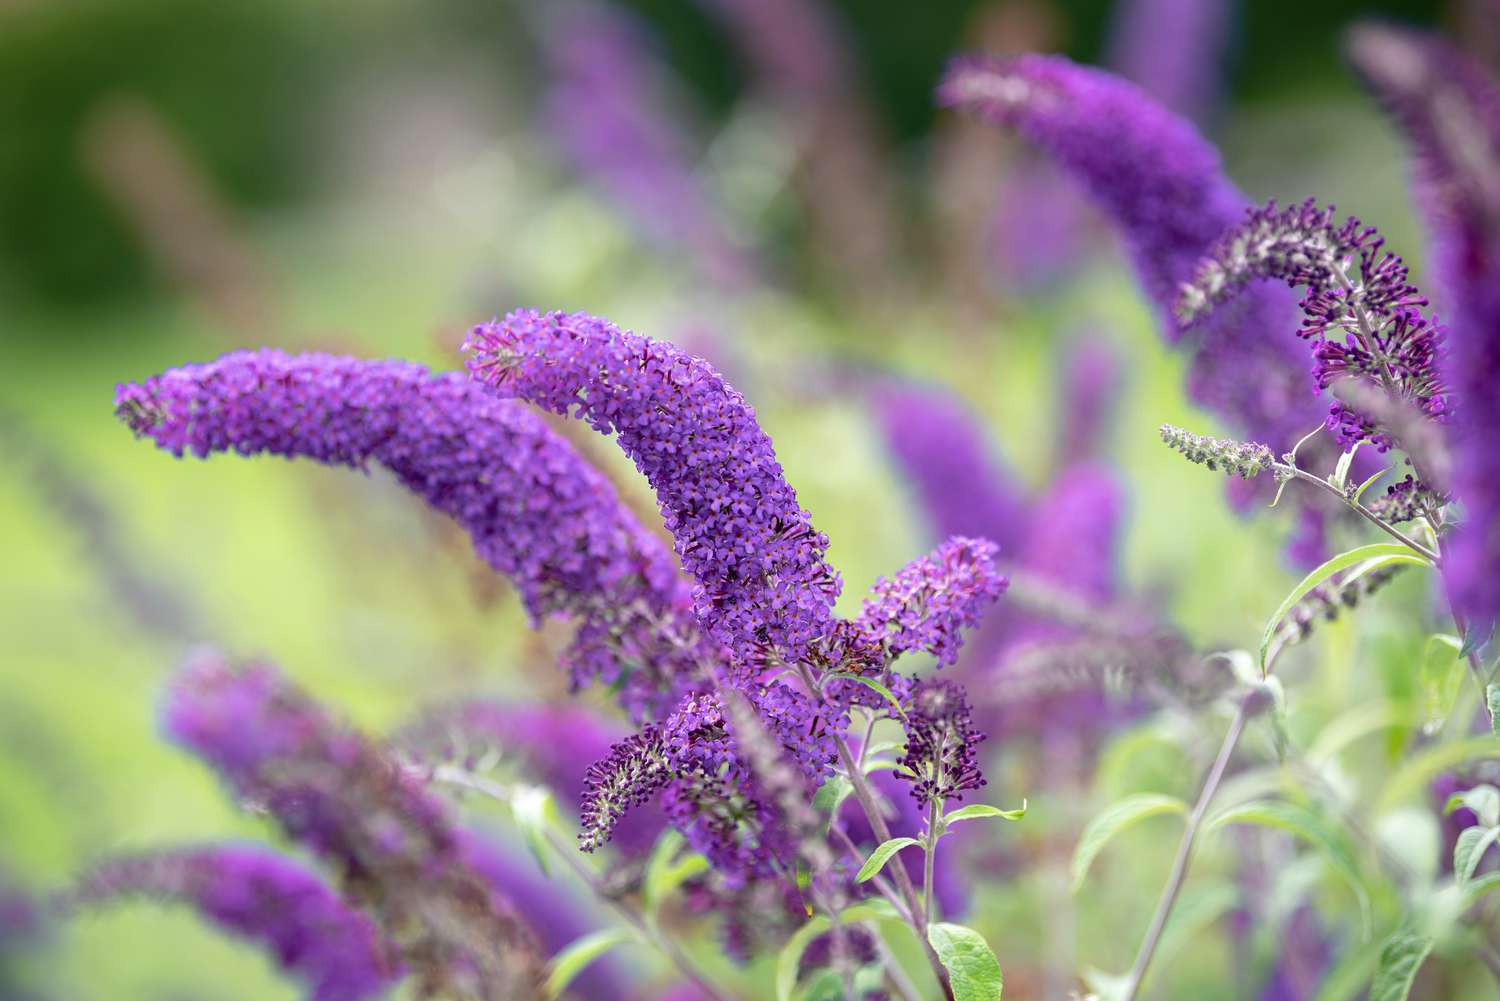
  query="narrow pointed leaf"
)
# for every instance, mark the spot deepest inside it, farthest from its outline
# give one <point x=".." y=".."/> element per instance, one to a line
<point x="880" y="856"/>
<point x="1127" y="812"/>
<point x="575" y="956"/>
<point x="1400" y="958"/>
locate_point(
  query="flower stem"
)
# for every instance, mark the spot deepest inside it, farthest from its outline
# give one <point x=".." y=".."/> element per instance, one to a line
<point x="1364" y="512"/>
<point x="929" y="852"/>
<point x="1178" y="874"/>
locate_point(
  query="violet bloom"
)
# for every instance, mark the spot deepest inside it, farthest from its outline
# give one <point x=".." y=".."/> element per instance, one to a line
<point x="1449" y="108"/>
<point x="1361" y="310"/>
<point x="942" y="744"/>
<point x="536" y="511"/>
<point x="1173" y="50"/>
<point x="1090" y="381"/>
<point x="607" y="105"/>
<point x="942" y="450"/>
<point x="1165" y="190"/>
<point x="763" y="583"/>
<point x="267" y="898"/>
<point x="929" y="603"/>
<point x="350" y="802"/>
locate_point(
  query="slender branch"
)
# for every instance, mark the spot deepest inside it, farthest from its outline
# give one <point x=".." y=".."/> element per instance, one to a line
<point x="929" y="852"/>
<point x="1364" y="512"/>
<point x="881" y="883"/>
<point x="1178" y="874"/>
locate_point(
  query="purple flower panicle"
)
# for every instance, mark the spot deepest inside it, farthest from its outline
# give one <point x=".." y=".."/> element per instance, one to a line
<point x="1449" y="108"/>
<point x="257" y="894"/>
<point x="1184" y="74"/>
<point x="537" y="512"/>
<point x="942" y="746"/>
<point x="397" y="853"/>
<point x="763" y="583"/>
<point x="1165" y="190"/>
<point x="1360" y="309"/>
<point x="929" y="603"/>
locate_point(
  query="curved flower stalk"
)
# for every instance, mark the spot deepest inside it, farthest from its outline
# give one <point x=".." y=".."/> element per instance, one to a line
<point x="396" y="851"/>
<point x="535" y="510"/>
<point x="1361" y="309"/>
<point x="607" y="106"/>
<point x="1449" y="108"/>
<point x="257" y="894"/>
<point x="1164" y="188"/>
<point x="764" y="587"/>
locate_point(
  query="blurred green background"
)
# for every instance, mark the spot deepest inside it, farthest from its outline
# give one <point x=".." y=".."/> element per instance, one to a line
<point x="178" y="179"/>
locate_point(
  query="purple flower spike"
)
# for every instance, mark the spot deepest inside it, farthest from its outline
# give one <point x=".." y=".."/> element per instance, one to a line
<point x="941" y="447"/>
<point x="351" y="803"/>
<point x="1091" y="386"/>
<point x="1449" y="108"/>
<point x="608" y="109"/>
<point x="932" y="600"/>
<point x="763" y="583"/>
<point x="1361" y="310"/>
<point x="942" y="746"/>
<point x="536" y="510"/>
<point x="1183" y="75"/>
<point x="1164" y="188"/>
<point x="1075" y="546"/>
<point x="257" y="894"/>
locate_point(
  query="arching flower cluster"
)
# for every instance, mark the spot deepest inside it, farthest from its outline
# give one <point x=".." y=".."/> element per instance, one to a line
<point x="257" y="894"/>
<point x="537" y="511"/>
<point x="393" y="847"/>
<point x="942" y="745"/>
<point x="1360" y="309"/>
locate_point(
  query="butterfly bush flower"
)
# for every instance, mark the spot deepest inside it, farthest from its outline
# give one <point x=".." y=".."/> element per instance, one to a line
<point x="607" y="107"/>
<point x="352" y="804"/>
<point x="763" y="583"/>
<point x="535" y="510"/>
<point x="259" y="895"/>
<point x="942" y="745"/>
<point x="929" y="603"/>
<point x="1449" y="109"/>
<point x="1361" y="310"/>
<point x="1183" y="75"/>
<point x="941" y="448"/>
<point x="1164" y="188"/>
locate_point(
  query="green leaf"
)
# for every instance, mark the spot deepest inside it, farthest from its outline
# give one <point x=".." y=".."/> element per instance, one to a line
<point x="831" y="795"/>
<point x="535" y="811"/>
<point x="1309" y="827"/>
<point x="1116" y="818"/>
<point x="1478" y="887"/>
<point x="1341" y="471"/>
<point x="791" y="955"/>
<point x="1421" y="768"/>
<point x="1369" y="558"/>
<point x="1400" y="958"/>
<point x="572" y="959"/>
<point x="1439" y="679"/>
<point x="871" y="684"/>
<point x="880" y="856"/>
<point x="667" y="869"/>
<point x="978" y="811"/>
<point x="1484" y="800"/>
<point x="1367" y="484"/>
<point x="973" y="970"/>
<point x="1492" y="703"/>
<point x="1472" y="843"/>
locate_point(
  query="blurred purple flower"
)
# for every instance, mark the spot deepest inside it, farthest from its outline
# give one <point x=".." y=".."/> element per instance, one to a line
<point x="396" y="851"/>
<point x="609" y="110"/>
<point x="536" y="511"/>
<point x="942" y="450"/>
<point x="1090" y="384"/>
<point x="257" y="894"/>
<point x="763" y="582"/>
<point x="1075" y="546"/>
<point x="941" y="759"/>
<point x="1173" y="50"/>
<point x="1449" y="108"/>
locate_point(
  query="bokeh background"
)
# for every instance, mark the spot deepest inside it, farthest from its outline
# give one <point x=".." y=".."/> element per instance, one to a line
<point x="178" y="179"/>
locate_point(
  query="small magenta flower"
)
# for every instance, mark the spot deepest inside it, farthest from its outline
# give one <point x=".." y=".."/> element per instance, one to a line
<point x="257" y="894"/>
<point x="536" y="511"/>
<point x="397" y="853"/>
<point x="929" y="603"/>
<point x="763" y="582"/>
<point x="1361" y="310"/>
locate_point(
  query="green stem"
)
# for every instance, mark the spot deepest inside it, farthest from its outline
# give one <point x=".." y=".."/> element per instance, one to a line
<point x="1179" y="870"/>
<point x="929" y="853"/>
